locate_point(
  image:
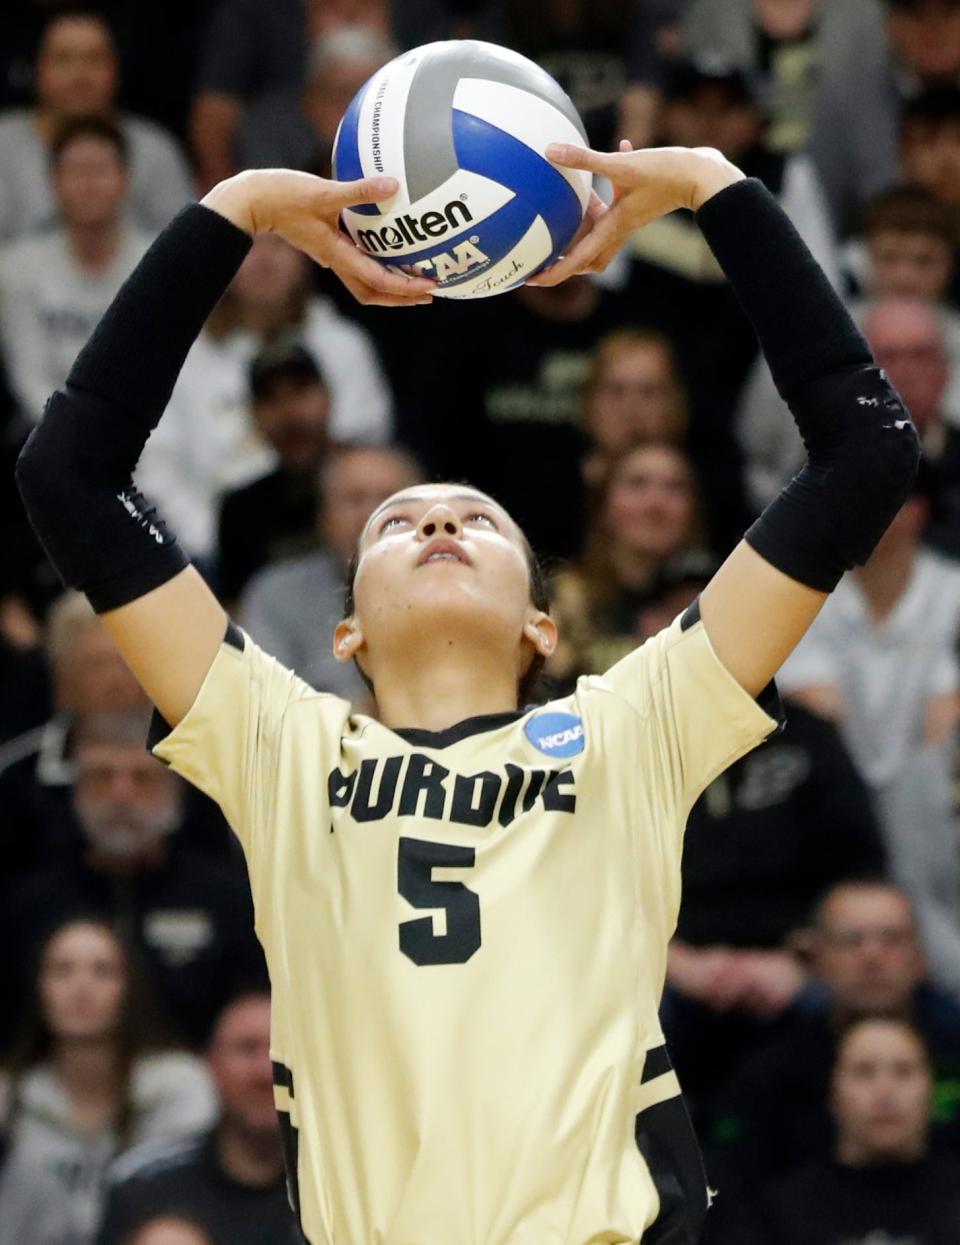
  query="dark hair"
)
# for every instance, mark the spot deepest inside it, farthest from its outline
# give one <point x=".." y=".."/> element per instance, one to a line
<point x="911" y="209"/>
<point x="140" y="1027"/>
<point x="539" y="597"/>
<point x="934" y="106"/>
<point x="100" y="128"/>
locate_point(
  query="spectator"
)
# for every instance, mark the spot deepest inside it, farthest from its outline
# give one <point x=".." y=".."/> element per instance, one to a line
<point x="296" y="129"/>
<point x="603" y="53"/>
<point x="633" y="395"/>
<point x="255" y="51"/>
<point x="930" y="142"/>
<point x="274" y="517"/>
<point x="189" y="915"/>
<point x="865" y="957"/>
<point x="906" y="260"/>
<point x="36" y="769"/>
<point x="86" y="1084"/>
<point x="168" y="1231"/>
<point x="521" y="406"/>
<point x="229" y="1182"/>
<point x="206" y="442"/>
<point x="645" y="514"/>
<point x="786" y="48"/>
<point x="881" y="661"/>
<point x="292" y="609"/>
<point x="77" y="76"/>
<point x="858" y="108"/>
<point x="882" y="1183"/>
<point x="55" y="287"/>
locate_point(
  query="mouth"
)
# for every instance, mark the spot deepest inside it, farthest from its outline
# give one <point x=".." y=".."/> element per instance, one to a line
<point x="443" y="551"/>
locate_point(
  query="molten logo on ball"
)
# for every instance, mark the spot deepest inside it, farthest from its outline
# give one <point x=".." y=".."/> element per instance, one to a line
<point x="407" y="230"/>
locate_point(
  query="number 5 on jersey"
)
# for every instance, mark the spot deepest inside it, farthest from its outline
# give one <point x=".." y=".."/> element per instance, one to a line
<point x="416" y="860"/>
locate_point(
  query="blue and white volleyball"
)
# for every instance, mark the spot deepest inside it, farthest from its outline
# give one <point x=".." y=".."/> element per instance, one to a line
<point x="463" y="125"/>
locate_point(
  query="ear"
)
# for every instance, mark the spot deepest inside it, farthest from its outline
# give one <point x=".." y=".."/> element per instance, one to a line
<point x="347" y="639"/>
<point x="541" y="631"/>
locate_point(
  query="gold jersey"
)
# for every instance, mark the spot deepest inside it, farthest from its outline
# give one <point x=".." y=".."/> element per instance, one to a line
<point x="466" y="932"/>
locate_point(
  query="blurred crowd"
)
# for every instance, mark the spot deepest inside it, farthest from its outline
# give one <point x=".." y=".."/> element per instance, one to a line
<point x="812" y="1003"/>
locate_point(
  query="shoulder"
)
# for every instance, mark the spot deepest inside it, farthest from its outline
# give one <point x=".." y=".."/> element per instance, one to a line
<point x="16" y="125"/>
<point x="148" y="137"/>
<point x="159" y="1160"/>
<point x="161" y="1074"/>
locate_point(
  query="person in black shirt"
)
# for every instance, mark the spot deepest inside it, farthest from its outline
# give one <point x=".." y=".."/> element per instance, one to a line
<point x="866" y="958"/>
<point x="190" y="915"/>
<point x="274" y="517"/>
<point x="228" y="1182"/>
<point x="881" y="1183"/>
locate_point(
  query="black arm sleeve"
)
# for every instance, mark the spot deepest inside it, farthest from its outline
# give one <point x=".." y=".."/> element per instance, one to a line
<point x="863" y="449"/>
<point x="75" y="471"/>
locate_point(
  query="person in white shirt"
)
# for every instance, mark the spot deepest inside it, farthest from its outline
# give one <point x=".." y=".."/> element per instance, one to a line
<point x="77" y="75"/>
<point x="207" y="442"/>
<point x="881" y="661"/>
<point x="55" y="287"/>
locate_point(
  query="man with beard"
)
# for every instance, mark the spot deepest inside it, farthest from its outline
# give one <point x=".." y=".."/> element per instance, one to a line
<point x="189" y="915"/>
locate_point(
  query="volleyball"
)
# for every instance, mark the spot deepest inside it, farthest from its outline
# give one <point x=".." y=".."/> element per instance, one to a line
<point x="462" y="125"/>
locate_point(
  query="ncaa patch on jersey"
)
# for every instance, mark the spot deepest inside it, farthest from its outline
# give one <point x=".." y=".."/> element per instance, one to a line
<point x="556" y="734"/>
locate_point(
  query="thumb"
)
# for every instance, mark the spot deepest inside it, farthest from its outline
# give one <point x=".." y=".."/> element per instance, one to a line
<point x="363" y="190"/>
<point x="570" y="157"/>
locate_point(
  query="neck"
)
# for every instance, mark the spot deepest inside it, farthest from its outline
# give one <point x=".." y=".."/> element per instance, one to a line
<point x="94" y="247"/>
<point x="249" y="1156"/>
<point x="884" y="578"/>
<point x="87" y="1069"/>
<point x="852" y="1152"/>
<point x="437" y="691"/>
<point x="632" y="568"/>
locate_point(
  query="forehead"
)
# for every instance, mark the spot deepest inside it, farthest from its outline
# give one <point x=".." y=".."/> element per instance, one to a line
<point x="856" y="907"/>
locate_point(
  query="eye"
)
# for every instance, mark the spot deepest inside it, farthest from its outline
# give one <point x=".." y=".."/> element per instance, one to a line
<point x="482" y="518"/>
<point x="390" y="521"/>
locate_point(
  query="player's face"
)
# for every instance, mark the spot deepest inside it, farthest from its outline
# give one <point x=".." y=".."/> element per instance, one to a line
<point x="867" y="950"/>
<point x="881" y="1093"/>
<point x="240" y="1064"/>
<point x="77" y="68"/>
<point x="441" y="560"/>
<point x="650" y="502"/>
<point x="82" y="981"/>
<point x="634" y="399"/>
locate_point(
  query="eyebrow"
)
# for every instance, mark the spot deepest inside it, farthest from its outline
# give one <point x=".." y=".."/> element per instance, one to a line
<point x="416" y="497"/>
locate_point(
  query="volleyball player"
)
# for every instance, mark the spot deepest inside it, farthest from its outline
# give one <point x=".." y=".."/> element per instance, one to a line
<point x="465" y="905"/>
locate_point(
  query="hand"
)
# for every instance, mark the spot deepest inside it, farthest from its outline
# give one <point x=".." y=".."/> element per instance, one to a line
<point x="647" y="185"/>
<point x="305" y="210"/>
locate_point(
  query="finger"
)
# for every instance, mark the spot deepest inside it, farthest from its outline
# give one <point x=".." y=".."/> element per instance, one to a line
<point x="363" y="190"/>
<point x="348" y="258"/>
<point x="625" y="145"/>
<point x="570" y="157"/>
<point x="369" y="297"/>
<point x="603" y="238"/>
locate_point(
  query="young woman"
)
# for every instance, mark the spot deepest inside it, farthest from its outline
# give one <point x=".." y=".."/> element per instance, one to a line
<point x="645" y="516"/>
<point x="465" y="906"/>
<point x="85" y="1085"/>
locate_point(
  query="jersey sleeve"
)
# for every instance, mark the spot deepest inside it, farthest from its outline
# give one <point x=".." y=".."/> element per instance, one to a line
<point x="693" y="716"/>
<point x="229" y="742"/>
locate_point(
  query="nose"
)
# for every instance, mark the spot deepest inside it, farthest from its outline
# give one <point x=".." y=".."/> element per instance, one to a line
<point x="439" y="520"/>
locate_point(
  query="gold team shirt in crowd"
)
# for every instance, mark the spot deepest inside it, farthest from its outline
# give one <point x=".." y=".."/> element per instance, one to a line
<point x="466" y="932"/>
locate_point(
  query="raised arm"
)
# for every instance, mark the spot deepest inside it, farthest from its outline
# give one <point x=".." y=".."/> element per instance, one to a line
<point x="862" y="447"/>
<point x="75" y="472"/>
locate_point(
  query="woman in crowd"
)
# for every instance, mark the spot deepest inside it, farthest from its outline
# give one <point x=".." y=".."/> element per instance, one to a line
<point x="633" y="395"/>
<point x="207" y="442"/>
<point x="646" y="515"/>
<point x="87" y="1084"/>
